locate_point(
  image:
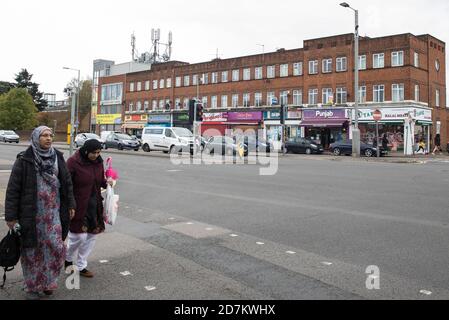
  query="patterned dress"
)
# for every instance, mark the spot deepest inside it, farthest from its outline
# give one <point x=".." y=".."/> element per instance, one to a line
<point x="42" y="265"/>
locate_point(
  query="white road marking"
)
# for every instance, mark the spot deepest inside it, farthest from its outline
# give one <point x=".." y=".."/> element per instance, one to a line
<point x="290" y="252"/>
<point x="150" y="288"/>
<point x="174" y="170"/>
<point x="171" y="218"/>
<point x="427" y="293"/>
<point x="104" y="261"/>
<point x="233" y="235"/>
<point x="327" y="263"/>
<point x="209" y="229"/>
<point x="190" y="223"/>
<point x="126" y="273"/>
<point x="260" y="243"/>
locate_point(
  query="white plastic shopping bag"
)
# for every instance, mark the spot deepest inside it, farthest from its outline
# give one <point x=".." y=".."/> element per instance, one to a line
<point x="110" y="206"/>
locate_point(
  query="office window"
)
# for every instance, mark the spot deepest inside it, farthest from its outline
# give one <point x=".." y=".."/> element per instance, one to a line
<point x="283" y="95"/>
<point x="213" y="102"/>
<point x="154" y="103"/>
<point x="397" y="59"/>
<point x="258" y="73"/>
<point x="224" y="101"/>
<point x="313" y="67"/>
<point x="161" y="104"/>
<point x="379" y="93"/>
<point x="204" y="78"/>
<point x="297" y="69"/>
<point x="139" y="86"/>
<point x="235" y="75"/>
<point x="178" y="82"/>
<point x="224" y="76"/>
<point x="284" y="70"/>
<point x="154" y="84"/>
<point x="177" y="104"/>
<point x="131" y="86"/>
<point x="270" y="98"/>
<point x="437" y="98"/>
<point x="327" y="96"/>
<point x="204" y="100"/>
<point x="214" y="77"/>
<point x="313" y="96"/>
<point x="362" y="62"/>
<point x="147" y="85"/>
<point x="131" y="107"/>
<point x="378" y="60"/>
<point x="146" y="105"/>
<point x="138" y="106"/>
<point x="246" y="74"/>
<point x="246" y="99"/>
<point x="186" y="103"/>
<point x="162" y="84"/>
<point x="186" y="81"/>
<point x="194" y="80"/>
<point x="417" y="93"/>
<point x="297" y="97"/>
<point x="258" y="99"/>
<point x="342" y="95"/>
<point x="168" y="83"/>
<point x="416" y="60"/>
<point x="327" y="65"/>
<point x="342" y="64"/>
<point x="271" y="71"/>
<point x="362" y="94"/>
<point x="398" y="92"/>
<point x="235" y="100"/>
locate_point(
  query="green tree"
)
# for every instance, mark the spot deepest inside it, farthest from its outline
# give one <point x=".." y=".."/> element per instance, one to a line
<point x="5" y="86"/>
<point x="23" y="79"/>
<point x="17" y="110"/>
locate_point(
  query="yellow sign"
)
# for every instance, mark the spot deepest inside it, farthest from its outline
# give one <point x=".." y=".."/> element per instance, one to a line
<point x="68" y="133"/>
<point x="109" y="118"/>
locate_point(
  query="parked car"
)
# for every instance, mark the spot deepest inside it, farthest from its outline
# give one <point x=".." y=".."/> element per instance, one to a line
<point x="167" y="139"/>
<point x="257" y="145"/>
<point x="105" y="134"/>
<point x="83" y="137"/>
<point x="9" y="136"/>
<point x="345" y="148"/>
<point x="121" y="141"/>
<point x="303" y="145"/>
<point x="224" y="145"/>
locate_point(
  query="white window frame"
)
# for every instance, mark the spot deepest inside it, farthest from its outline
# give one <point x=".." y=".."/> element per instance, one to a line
<point x="147" y="85"/>
<point x="186" y="81"/>
<point x="246" y="74"/>
<point x="246" y="99"/>
<point x="437" y="98"/>
<point x="235" y="75"/>
<point x="214" y="77"/>
<point x="139" y="106"/>
<point x="362" y="62"/>
<point x="162" y="84"/>
<point x="178" y="82"/>
<point x="326" y="93"/>
<point x="341" y="95"/>
<point x="377" y="89"/>
<point x="168" y="83"/>
<point x="204" y="101"/>
<point x="283" y="97"/>
<point x="154" y="105"/>
<point x="258" y="73"/>
<point x="235" y="100"/>
<point x="283" y="70"/>
<point x="146" y="105"/>
<point x="154" y="84"/>
<point x="270" y="96"/>
<point x="297" y="69"/>
<point x="131" y="106"/>
<point x="224" y="101"/>
<point x="326" y="65"/>
<point x="417" y="93"/>
<point x="224" y="76"/>
<point x="161" y="104"/>
<point x="131" y="86"/>
<point x="178" y="104"/>
<point x="397" y="59"/>
<point x="362" y="94"/>
<point x="342" y="64"/>
<point x="271" y="72"/>
<point x="313" y="96"/>
<point x="204" y="78"/>
<point x="185" y="103"/>
<point x="313" y="67"/>
<point x="139" y="86"/>
<point x="194" y="80"/>
<point x="297" y="97"/>
<point x="378" y="60"/>
<point x="214" y="102"/>
<point x="397" y="92"/>
<point x="258" y="99"/>
<point x="416" y="60"/>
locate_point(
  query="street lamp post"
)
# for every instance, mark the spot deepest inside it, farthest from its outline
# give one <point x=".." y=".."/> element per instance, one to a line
<point x="355" y="130"/>
<point x="72" y="115"/>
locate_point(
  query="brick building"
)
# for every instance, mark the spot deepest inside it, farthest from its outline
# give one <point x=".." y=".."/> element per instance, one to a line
<point x="402" y="75"/>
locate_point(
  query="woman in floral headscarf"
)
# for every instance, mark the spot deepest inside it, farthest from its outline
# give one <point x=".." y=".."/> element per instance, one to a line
<point x="40" y="199"/>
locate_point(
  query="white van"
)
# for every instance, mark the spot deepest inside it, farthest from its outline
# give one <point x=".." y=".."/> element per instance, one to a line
<point x="167" y="139"/>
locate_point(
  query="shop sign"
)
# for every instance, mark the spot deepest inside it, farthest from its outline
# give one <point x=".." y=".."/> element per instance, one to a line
<point x="245" y="116"/>
<point x="323" y="114"/>
<point x="109" y="118"/>
<point x="215" y="117"/>
<point x="160" y="118"/>
<point x="272" y="115"/>
<point x="184" y="117"/>
<point x="401" y="114"/>
<point x="294" y="115"/>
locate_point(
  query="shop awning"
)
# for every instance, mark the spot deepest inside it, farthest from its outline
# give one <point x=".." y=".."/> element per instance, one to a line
<point x="323" y="123"/>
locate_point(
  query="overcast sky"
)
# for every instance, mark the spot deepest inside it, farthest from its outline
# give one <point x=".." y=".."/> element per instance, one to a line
<point x="45" y="35"/>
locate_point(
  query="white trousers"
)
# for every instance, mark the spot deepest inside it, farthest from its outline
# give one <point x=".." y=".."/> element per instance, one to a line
<point x="84" y="244"/>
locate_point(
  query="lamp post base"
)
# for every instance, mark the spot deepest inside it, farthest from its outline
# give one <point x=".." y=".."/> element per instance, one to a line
<point x="356" y="143"/>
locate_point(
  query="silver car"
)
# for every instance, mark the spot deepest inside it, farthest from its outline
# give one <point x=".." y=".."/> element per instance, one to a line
<point x="9" y="136"/>
<point x="83" y="137"/>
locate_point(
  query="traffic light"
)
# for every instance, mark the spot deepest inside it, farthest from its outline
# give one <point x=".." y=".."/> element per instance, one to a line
<point x="199" y="112"/>
<point x="191" y="110"/>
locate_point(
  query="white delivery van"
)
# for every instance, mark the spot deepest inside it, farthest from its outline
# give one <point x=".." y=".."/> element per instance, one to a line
<point x="167" y="139"/>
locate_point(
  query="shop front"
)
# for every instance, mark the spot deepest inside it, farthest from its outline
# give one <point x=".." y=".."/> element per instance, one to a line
<point x="404" y="127"/>
<point x="273" y="128"/>
<point x="214" y="124"/>
<point x="246" y="123"/>
<point x="181" y="119"/>
<point x="109" y="122"/>
<point x="134" y="124"/>
<point x="159" y="120"/>
<point x="325" y="126"/>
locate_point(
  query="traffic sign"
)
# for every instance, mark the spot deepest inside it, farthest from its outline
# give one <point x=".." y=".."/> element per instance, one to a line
<point x="377" y="115"/>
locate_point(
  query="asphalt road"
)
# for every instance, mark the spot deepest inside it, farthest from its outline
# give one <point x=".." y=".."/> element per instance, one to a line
<point x="308" y="232"/>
